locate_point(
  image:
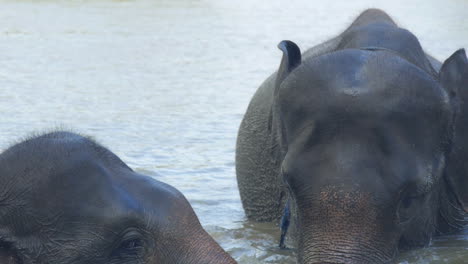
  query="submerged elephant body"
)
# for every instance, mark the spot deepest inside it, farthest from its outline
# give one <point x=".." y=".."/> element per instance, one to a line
<point x="66" y="199"/>
<point x="357" y="136"/>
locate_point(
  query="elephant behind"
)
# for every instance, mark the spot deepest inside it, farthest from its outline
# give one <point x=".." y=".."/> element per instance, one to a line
<point x="362" y="139"/>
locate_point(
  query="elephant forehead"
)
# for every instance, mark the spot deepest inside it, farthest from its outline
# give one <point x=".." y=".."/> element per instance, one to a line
<point x="69" y="175"/>
<point x="72" y="199"/>
<point x="58" y="171"/>
<point x="375" y="82"/>
<point x="85" y="194"/>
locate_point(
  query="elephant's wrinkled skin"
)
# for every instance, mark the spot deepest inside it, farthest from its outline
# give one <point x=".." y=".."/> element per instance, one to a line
<point x="364" y="135"/>
<point x="65" y="199"/>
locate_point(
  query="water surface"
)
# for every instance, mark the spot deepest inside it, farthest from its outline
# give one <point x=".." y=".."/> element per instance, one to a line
<point x="164" y="84"/>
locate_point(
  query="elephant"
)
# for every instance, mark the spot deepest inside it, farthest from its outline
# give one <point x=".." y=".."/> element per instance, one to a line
<point x="66" y="199"/>
<point x="359" y="144"/>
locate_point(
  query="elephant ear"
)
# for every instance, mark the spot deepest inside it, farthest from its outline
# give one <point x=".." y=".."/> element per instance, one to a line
<point x="291" y="59"/>
<point x="453" y="77"/>
<point x="453" y="72"/>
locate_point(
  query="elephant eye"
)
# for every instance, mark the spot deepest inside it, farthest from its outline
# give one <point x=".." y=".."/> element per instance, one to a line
<point x="131" y="245"/>
<point x="404" y="209"/>
<point x="7" y="254"/>
<point x="408" y="203"/>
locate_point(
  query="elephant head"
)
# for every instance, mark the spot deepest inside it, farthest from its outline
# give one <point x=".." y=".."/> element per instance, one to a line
<point x="368" y="153"/>
<point x="66" y="199"/>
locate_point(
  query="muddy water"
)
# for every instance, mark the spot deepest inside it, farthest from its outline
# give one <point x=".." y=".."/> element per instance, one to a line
<point x="164" y="84"/>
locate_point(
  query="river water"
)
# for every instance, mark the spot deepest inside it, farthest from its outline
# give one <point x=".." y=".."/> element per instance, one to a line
<point x="164" y="84"/>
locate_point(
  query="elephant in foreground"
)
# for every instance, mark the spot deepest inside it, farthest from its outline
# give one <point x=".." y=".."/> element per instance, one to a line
<point x="66" y="199"/>
<point x="360" y="142"/>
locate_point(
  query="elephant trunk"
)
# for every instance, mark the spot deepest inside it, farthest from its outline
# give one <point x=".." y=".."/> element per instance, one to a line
<point x="190" y="243"/>
<point x="349" y="249"/>
<point x="345" y="227"/>
<point x="197" y="248"/>
<point x="207" y="251"/>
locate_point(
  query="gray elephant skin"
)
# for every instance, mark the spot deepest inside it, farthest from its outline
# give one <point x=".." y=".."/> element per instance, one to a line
<point x="363" y="140"/>
<point x="66" y="199"/>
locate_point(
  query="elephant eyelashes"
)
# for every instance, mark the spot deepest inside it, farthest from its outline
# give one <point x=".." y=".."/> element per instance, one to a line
<point x="406" y="206"/>
<point x="131" y="246"/>
<point x="406" y="202"/>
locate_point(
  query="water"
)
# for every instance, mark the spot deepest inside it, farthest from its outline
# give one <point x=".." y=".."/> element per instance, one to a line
<point x="164" y="84"/>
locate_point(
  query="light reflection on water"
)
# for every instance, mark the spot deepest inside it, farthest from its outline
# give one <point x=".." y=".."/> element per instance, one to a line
<point x="164" y="84"/>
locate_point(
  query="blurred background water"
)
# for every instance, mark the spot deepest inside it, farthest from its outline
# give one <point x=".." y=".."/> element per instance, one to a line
<point x="164" y="84"/>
